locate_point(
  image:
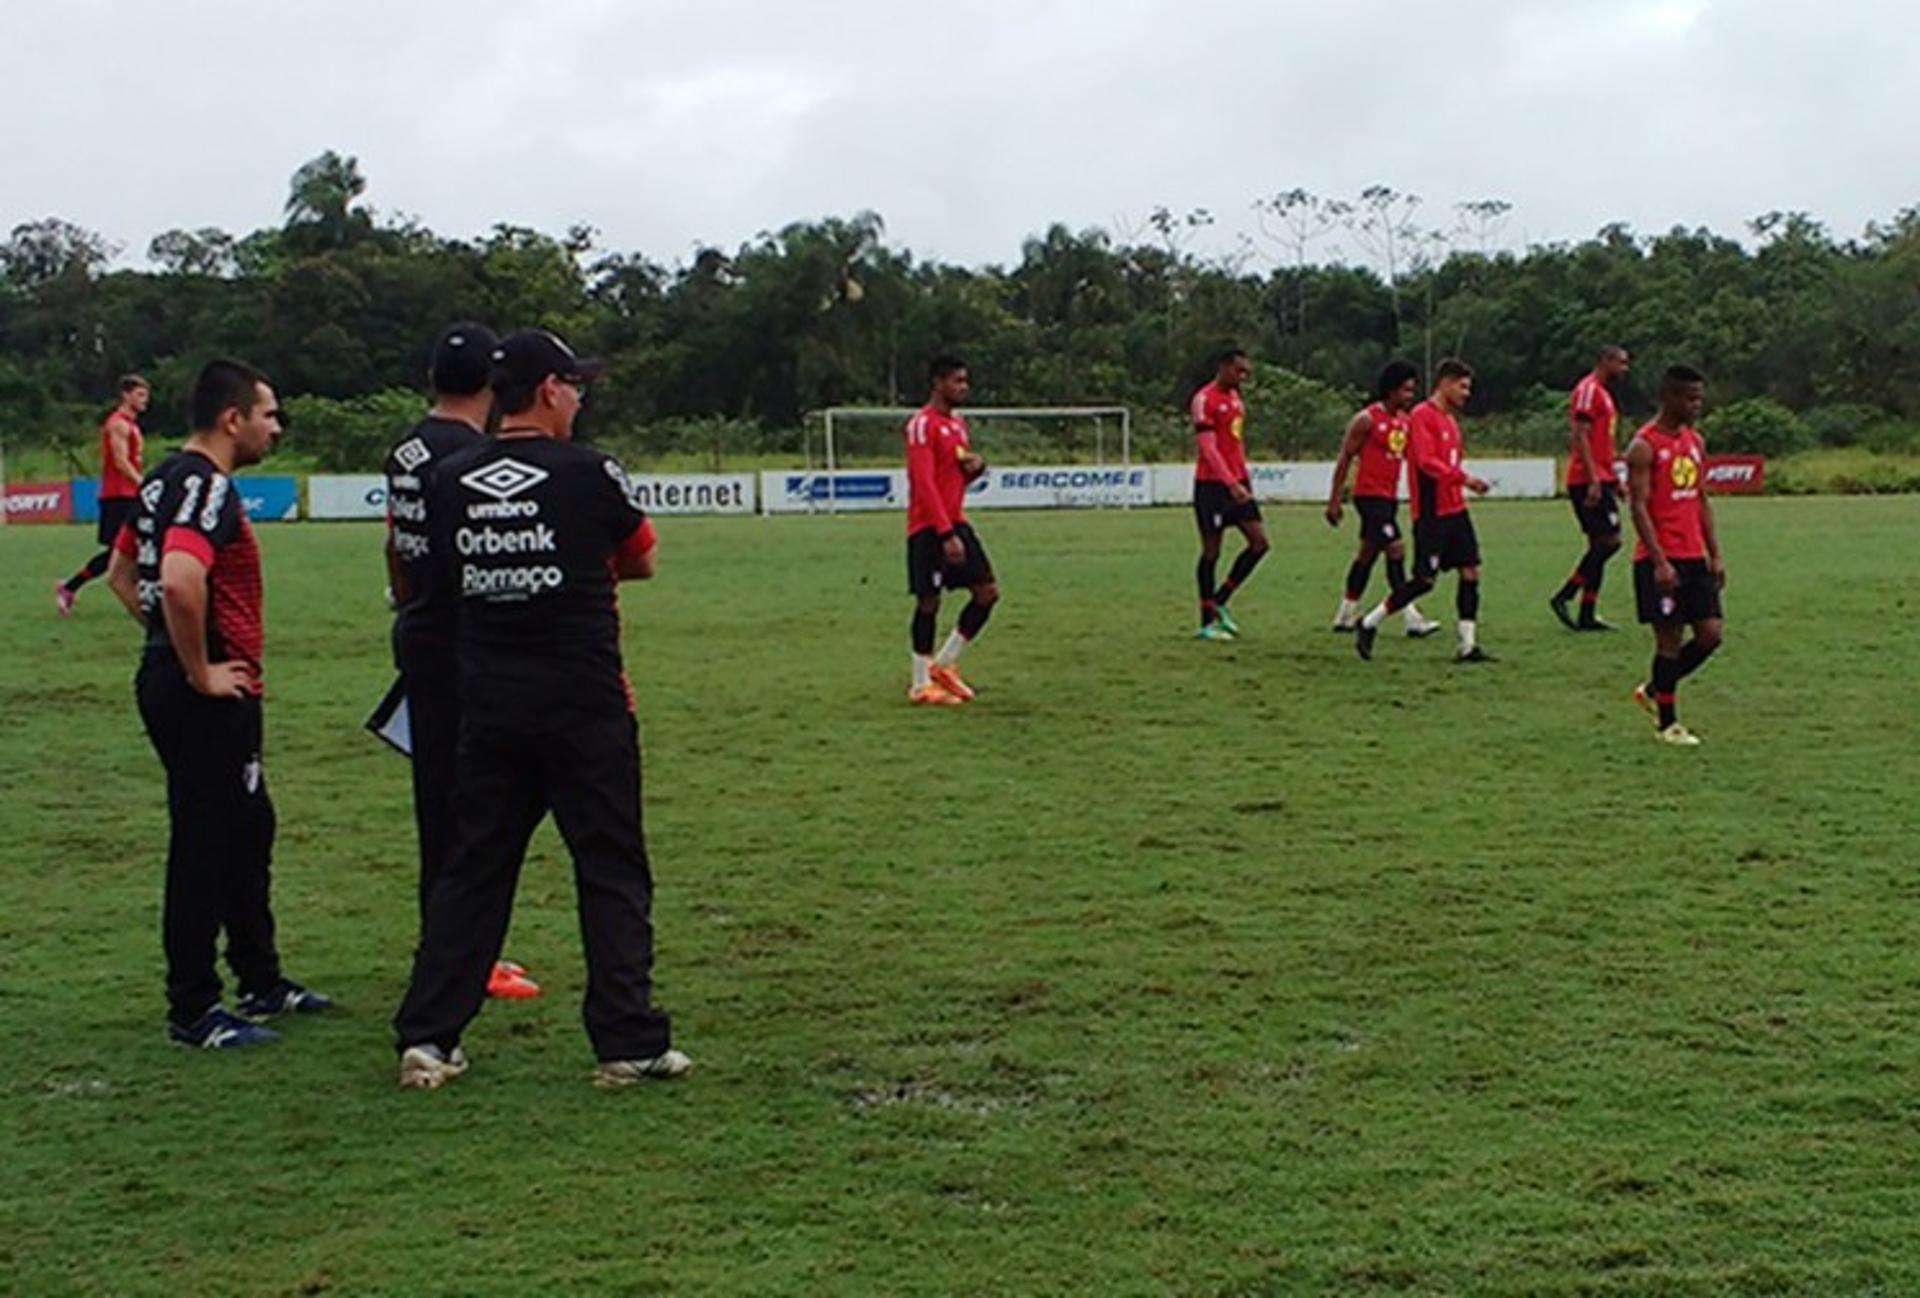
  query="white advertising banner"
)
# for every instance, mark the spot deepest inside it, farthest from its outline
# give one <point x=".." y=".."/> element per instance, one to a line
<point x="348" y="495"/>
<point x="1066" y="486"/>
<point x="364" y="495"/>
<point x="1311" y="480"/>
<point x="803" y="491"/>
<point x="694" y="493"/>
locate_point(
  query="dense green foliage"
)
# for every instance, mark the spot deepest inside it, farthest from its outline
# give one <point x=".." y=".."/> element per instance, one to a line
<point x="340" y="305"/>
<point x="1165" y="968"/>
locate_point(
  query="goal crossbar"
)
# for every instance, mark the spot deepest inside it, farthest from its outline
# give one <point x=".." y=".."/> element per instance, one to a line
<point x="1124" y="414"/>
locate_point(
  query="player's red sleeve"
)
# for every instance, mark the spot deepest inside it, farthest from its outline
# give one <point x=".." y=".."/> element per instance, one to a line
<point x="639" y="541"/>
<point x="190" y="541"/>
<point x="1209" y="443"/>
<point x="1583" y="402"/>
<point x="123" y="542"/>
<point x="923" y="486"/>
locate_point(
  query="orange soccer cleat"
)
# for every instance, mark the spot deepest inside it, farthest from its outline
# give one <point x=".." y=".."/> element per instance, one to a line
<point x="509" y="982"/>
<point x="932" y="696"/>
<point x="947" y="677"/>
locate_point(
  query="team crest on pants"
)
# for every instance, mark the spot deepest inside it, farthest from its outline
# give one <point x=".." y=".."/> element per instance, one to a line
<point x="250" y="775"/>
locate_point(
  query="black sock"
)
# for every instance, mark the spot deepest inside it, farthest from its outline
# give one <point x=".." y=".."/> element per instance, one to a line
<point x="1359" y="572"/>
<point x="1243" y="565"/>
<point x="1204" y="573"/>
<point x="95" y="566"/>
<point x="1396" y="573"/>
<point x="1666" y="675"/>
<point x="1406" y="593"/>
<point x="972" y="618"/>
<point x="1571" y="586"/>
<point x="1466" y="600"/>
<point x="922" y="632"/>
<point x="1691" y="656"/>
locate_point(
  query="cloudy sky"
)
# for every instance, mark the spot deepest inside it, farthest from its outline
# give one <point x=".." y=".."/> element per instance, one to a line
<point x="966" y="125"/>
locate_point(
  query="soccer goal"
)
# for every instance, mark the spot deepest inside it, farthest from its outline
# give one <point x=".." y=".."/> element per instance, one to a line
<point x="1064" y="436"/>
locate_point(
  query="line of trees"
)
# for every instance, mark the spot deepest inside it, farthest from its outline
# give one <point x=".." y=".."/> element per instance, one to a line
<point x="1806" y="336"/>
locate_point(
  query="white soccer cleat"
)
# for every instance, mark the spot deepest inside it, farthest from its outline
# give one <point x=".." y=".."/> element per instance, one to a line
<point x="1678" y="735"/>
<point x="612" y="1074"/>
<point x="1418" y="624"/>
<point x="428" y="1068"/>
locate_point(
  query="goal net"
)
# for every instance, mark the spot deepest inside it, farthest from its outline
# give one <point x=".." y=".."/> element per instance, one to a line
<point x="1063" y="449"/>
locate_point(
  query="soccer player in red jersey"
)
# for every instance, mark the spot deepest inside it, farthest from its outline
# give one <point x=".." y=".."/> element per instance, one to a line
<point x="942" y="551"/>
<point x="1591" y="487"/>
<point x="1223" y="491"/>
<point x="1443" y="534"/>
<point x="187" y="566"/>
<point x="1377" y="438"/>
<point x="1677" y="571"/>
<point x="120" y="445"/>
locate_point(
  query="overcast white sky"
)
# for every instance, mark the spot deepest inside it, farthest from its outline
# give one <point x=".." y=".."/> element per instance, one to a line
<point x="967" y="126"/>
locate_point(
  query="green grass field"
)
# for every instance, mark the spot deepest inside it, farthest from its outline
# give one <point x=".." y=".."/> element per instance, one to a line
<point x="1163" y="968"/>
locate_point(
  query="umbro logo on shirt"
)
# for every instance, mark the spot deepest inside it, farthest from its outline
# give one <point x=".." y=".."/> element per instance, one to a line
<point x="411" y="454"/>
<point x="503" y="479"/>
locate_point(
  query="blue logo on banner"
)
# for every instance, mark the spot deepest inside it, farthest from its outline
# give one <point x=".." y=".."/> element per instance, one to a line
<point x="86" y="500"/>
<point x="844" y="486"/>
<point x="269" y="500"/>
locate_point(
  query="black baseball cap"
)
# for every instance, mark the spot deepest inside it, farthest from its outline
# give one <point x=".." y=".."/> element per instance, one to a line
<point x="526" y="357"/>
<point x="462" y="359"/>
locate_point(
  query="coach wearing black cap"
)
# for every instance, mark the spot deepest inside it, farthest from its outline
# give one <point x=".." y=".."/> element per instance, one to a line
<point x="530" y="532"/>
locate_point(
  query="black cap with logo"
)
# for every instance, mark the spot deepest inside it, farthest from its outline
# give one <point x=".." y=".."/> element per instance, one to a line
<point x="462" y="359"/>
<point x="526" y="357"/>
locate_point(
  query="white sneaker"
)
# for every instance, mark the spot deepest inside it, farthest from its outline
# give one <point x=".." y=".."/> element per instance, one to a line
<point x="428" y="1068"/>
<point x="612" y="1074"/>
<point x="1679" y="735"/>
<point x="1418" y="624"/>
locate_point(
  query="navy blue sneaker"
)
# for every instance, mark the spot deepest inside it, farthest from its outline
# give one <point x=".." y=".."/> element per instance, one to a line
<point x="219" y="1029"/>
<point x="284" y="997"/>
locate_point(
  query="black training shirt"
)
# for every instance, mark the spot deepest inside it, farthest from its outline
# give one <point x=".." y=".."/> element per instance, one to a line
<point x="429" y="609"/>
<point x="525" y="533"/>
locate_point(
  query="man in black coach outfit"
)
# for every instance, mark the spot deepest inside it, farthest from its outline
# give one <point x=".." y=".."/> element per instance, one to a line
<point x="532" y="531"/>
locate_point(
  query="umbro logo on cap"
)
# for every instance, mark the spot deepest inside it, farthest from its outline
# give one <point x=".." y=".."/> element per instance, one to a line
<point x="503" y="479"/>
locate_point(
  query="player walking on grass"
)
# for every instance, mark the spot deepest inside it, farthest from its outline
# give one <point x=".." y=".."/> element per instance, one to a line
<point x="1677" y="572"/>
<point x="534" y="531"/>
<point x="426" y="610"/>
<point x="1591" y="487"/>
<point x="1443" y="536"/>
<point x="120" y="445"/>
<point x="1377" y="438"/>
<point x="942" y="551"/>
<point x="1223" y="491"/>
<point x="187" y="566"/>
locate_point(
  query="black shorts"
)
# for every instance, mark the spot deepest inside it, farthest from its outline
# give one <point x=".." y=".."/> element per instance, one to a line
<point x="1442" y="542"/>
<point x="1601" y="518"/>
<point x="1694" y="598"/>
<point x="1377" y="520"/>
<point x="114" y="513"/>
<point x="1214" y="510"/>
<point x="928" y="572"/>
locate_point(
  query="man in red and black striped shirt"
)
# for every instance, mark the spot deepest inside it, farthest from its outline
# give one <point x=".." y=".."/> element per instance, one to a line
<point x="186" y="565"/>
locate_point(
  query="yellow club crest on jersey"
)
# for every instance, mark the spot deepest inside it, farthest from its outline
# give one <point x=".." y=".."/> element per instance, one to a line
<point x="1239" y="422"/>
<point x="1686" y="472"/>
<point x="1396" y="440"/>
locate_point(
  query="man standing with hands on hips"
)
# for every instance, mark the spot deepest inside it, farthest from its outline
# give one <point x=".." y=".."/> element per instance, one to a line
<point x="532" y="531"/>
<point x="187" y="566"/>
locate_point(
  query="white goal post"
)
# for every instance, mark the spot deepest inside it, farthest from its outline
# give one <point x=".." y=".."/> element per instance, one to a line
<point x="1122" y="416"/>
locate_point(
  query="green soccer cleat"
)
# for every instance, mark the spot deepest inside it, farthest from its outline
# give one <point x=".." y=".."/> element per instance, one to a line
<point x="1213" y="631"/>
<point x="1225" y="620"/>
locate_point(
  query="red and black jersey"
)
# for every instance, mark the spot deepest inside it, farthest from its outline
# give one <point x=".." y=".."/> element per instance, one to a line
<point x="188" y="504"/>
<point x="526" y="533"/>
<point x="1435" y="478"/>
<point x="1221" y="412"/>
<point x="1592" y="405"/>
<point x="936" y="488"/>
<point x="1382" y="455"/>
<point x="1675" y="481"/>
<point x="115" y="485"/>
<point x="429" y="609"/>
